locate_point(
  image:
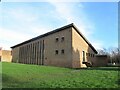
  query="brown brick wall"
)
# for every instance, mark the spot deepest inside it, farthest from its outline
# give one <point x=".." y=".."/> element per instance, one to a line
<point x="79" y="45"/>
<point x="101" y="60"/>
<point x="15" y="54"/>
<point x="5" y="56"/>
<point x="43" y="51"/>
<point x="50" y="45"/>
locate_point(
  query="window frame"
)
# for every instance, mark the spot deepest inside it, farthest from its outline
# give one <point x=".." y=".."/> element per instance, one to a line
<point x="83" y="56"/>
<point x="56" y="39"/>
<point x="62" y="38"/>
<point x="62" y="51"/>
<point x="56" y="52"/>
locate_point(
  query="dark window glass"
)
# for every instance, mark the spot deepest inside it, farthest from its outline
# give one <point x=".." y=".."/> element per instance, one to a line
<point x="62" y="39"/>
<point x="83" y="55"/>
<point x="56" y="51"/>
<point x="57" y="39"/>
<point x="89" y="54"/>
<point x="62" y="51"/>
<point x="0" y="58"/>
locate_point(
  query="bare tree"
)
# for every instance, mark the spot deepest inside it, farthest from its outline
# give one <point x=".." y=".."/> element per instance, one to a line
<point x="113" y="54"/>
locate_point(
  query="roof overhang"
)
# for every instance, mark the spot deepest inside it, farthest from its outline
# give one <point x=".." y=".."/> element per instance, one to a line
<point x="57" y="30"/>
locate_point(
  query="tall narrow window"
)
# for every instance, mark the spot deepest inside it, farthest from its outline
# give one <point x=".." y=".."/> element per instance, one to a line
<point x="62" y="51"/>
<point x="89" y="54"/>
<point x="56" y="51"/>
<point x="62" y="39"/>
<point x="83" y="55"/>
<point x="0" y="58"/>
<point x="43" y="52"/>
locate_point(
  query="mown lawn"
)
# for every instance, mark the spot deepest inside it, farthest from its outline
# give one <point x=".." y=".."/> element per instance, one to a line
<point x="33" y="76"/>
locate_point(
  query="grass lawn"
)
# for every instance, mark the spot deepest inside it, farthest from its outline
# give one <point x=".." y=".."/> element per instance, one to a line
<point x="33" y="76"/>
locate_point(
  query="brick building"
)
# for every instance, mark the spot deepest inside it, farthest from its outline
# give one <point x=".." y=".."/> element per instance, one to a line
<point x="63" y="47"/>
<point x="5" y="55"/>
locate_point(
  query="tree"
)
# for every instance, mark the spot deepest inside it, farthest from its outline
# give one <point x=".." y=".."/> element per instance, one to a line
<point x="113" y="54"/>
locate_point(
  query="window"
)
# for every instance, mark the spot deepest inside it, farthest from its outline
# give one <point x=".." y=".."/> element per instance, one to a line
<point x="83" y="55"/>
<point x="89" y="54"/>
<point x="86" y="54"/>
<point x="57" y="39"/>
<point x="62" y="39"/>
<point x="62" y="51"/>
<point x="56" y="51"/>
<point x="0" y="58"/>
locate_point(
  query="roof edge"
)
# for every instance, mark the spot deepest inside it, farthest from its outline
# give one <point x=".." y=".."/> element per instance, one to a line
<point x="43" y="35"/>
<point x="57" y="30"/>
<point x="78" y="31"/>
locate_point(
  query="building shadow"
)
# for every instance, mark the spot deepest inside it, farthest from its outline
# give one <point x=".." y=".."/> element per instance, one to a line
<point x="7" y="78"/>
<point x="76" y="59"/>
<point x="100" y="68"/>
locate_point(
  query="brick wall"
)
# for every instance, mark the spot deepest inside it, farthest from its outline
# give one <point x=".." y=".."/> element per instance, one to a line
<point x="6" y="56"/>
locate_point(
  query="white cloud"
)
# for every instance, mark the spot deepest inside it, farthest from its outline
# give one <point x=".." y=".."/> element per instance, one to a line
<point x="21" y="26"/>
<point x="26" y="25"/>
<point x="97" y="44"/>
<point x="38" y="30"/>
<point x="66" y="11"/>
<point x="22" y="14"/>
<point x="8" y="38"/>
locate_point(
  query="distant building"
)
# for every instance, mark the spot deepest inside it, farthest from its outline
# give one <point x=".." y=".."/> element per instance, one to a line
<point x="101" y="60"/>
<point x="64" y="47"/>
<point x="5" y="55"/>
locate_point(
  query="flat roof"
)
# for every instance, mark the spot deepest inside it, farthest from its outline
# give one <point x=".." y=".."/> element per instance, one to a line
<point x="57" y="30"/>
<point x="101" y="55"/>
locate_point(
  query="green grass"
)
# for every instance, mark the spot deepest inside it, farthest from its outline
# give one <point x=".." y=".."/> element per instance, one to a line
<point x="33" y="76"/>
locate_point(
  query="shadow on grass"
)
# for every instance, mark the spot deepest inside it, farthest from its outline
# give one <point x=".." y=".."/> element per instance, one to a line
<point x="6" y="78"/>
<point x="118" y="82"/>
<point x="100" y="68"/>
<point x="10" y="81"/>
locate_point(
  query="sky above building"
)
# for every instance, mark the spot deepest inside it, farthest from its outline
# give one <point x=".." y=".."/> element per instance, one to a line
<point x="21" y="21"/>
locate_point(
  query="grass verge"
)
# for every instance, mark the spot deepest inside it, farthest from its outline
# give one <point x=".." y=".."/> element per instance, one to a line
<point x="33" y="76"/>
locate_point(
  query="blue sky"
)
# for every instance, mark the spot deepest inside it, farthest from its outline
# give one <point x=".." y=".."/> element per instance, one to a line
<point x="20" y="21"/>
